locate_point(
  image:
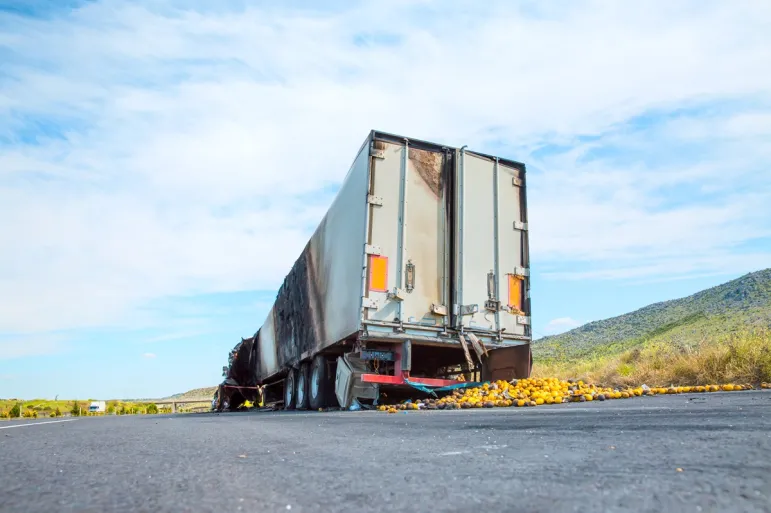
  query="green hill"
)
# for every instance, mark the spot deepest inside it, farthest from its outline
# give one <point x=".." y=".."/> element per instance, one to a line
<point x="195" y="393"/>
<point x="726" y="309"/>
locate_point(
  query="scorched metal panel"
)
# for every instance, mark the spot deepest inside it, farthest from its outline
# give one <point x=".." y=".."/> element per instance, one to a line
<point x="319" y="302"/>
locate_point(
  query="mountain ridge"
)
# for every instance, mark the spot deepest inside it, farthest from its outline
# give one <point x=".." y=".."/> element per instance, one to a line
<point x="195" y="393"/>
<point x="725" y="308"/>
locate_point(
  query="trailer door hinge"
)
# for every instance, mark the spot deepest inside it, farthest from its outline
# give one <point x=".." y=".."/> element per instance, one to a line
<point x="396" y="295"/>
<point x="466" y="309"/>
<point x="375" y="200"/>
<point x="438" y="309"/>
<point x="493" y="305"/>
<point x="521" y="271"/>
<point x="368" y="302"/>
<point x="378" y="154"/>
<point x="523" y="319"/>
<point x="519" y="225"/>
<point x="371" y="249"/>
<point x="516" y="181"/>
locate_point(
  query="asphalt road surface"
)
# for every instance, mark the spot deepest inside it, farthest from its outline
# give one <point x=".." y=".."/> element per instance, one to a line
<point x="703" y="452"/>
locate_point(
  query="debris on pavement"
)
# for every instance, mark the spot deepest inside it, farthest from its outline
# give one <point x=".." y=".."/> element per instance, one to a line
<point x="540" y="391"/>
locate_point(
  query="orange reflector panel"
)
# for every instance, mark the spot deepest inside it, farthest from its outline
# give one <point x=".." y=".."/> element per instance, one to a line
<point x="378" y="273"/>
<point x="515" y="292"/>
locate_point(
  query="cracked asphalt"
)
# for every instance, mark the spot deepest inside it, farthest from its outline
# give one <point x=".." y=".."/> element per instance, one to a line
<point x="683" y="453"/>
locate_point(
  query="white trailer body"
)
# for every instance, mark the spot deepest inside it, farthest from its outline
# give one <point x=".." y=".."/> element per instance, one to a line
<point x="423" y="251"/>
<point x="97" y="407"/>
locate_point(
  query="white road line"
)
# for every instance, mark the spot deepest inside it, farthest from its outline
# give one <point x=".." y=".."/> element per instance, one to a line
<point x="37" y="423"/>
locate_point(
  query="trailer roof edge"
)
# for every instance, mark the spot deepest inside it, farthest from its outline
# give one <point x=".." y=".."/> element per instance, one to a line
<point x="385" y="136"/>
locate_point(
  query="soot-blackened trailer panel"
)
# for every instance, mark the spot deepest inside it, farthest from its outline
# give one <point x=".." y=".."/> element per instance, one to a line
<point x="319" y="302"/>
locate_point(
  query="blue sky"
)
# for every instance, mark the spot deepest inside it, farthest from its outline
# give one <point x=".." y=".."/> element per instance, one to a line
<point x="162" y="164"/>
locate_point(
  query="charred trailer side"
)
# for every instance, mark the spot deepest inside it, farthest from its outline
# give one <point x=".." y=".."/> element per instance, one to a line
<point x="240" y="383"/>
<point x="418" y="275"/>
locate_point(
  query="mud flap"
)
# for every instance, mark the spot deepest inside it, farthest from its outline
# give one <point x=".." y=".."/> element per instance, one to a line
<point x="348" y="384"/>
<point x="507" y="363"/>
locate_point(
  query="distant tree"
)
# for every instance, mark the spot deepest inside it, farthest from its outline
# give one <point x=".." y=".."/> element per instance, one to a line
<point x="75" y="411"/>
<point x="110" y="409"/>
<point x="15" y="411"/>
<point x="152" y="409"/>
<point x="57" y="412"/>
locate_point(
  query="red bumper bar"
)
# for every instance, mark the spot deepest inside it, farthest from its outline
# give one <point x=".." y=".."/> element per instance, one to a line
<point x="402" y="380"/>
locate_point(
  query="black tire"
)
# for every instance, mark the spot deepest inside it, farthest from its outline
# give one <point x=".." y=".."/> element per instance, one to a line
<point x="290" y="390"/>
<point x="321" y="384"/>
<point x="301" y="390"/>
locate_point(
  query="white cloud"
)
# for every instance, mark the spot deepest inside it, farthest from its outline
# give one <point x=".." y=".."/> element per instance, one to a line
<point x="18" y="346"/>
<point x="560" y="325"/>
<point x="148" y="355"/>
<point x="190" y="151"/>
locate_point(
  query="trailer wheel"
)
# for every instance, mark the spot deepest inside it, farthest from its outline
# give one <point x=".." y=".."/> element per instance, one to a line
<point x="301" y="393"/>
<point x="290" y="390"/>
<point x="320" y="386"/>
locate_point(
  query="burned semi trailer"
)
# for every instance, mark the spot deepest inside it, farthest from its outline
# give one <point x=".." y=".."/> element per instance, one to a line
<point x="240" y="383"/>
<point x="418" y="275"/>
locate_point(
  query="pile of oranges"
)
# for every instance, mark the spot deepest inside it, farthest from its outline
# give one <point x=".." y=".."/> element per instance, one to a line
<point x="539" y="391"/>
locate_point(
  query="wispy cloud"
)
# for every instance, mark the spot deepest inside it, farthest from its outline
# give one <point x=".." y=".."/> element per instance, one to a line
<point x="18" y="346"/>
<point x="149" y="355"/>
<point x="153" y="151"/>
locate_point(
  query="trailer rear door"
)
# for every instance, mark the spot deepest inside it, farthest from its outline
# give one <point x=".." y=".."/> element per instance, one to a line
<point x="491" y="255"/>
<point x="407" y="275"/>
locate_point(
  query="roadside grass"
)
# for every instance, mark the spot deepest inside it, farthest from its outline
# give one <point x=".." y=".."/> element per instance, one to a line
<point x="49" y="408"/>
<point x="741" y="357"/>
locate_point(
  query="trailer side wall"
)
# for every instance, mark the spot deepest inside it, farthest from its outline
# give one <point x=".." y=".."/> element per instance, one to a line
<point x="319" y="302"/>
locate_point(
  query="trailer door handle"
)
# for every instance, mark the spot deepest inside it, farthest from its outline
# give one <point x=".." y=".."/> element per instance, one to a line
<point x="409" y="276"/>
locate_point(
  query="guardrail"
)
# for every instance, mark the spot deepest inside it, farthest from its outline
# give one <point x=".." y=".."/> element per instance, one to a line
<point x="175" y="402"/>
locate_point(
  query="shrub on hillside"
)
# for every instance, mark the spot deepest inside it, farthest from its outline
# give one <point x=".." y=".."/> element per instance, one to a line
<point x="152" y="409"/>
<point x="76" y="409"/>
<point x="743" y="357"/>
